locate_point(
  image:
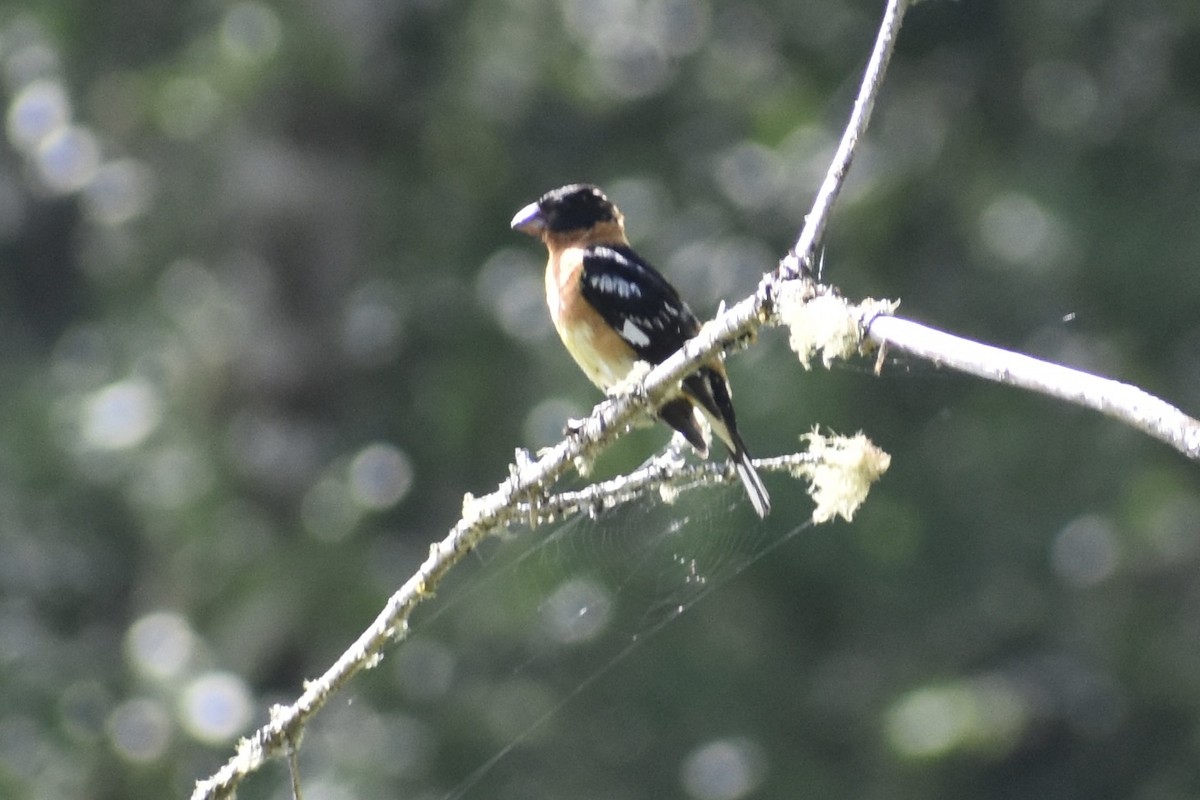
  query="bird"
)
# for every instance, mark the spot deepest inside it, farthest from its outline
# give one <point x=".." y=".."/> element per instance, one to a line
<point x="612" y="309"/>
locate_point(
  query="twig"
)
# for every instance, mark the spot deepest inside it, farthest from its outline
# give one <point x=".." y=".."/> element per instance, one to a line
<point x="802" y="253"/>
<point x="1123" y="402"/>
<point x="667" y="473"/>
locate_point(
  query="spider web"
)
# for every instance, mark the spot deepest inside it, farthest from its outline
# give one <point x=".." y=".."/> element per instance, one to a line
<point x="540" y="641"/>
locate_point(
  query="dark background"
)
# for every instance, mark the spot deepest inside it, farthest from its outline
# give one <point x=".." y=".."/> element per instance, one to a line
<point x="262" y="325"/>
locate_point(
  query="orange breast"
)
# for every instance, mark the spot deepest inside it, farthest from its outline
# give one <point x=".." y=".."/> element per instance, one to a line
<point x="602" y="355"/>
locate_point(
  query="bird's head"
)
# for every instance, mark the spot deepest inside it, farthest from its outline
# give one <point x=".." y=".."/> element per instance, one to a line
<point x="579" y="209"/>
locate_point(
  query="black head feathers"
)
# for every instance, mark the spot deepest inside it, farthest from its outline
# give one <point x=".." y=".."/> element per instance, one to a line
<point x="569" y="208"/>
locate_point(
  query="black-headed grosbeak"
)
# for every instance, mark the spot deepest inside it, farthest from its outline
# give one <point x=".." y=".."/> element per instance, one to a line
<point x="612" y="309"/>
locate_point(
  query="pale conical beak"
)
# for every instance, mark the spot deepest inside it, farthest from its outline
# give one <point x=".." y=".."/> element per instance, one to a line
<point x="529" y="220"/>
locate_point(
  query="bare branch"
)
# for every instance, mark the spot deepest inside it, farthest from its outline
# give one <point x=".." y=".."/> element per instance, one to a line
<point x="802" y="252"/>
<point x="667" y="474"/>
<point x="1123" y="402"/>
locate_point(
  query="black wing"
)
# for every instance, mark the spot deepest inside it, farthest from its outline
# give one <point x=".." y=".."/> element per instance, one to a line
<point x="636" y="301"/>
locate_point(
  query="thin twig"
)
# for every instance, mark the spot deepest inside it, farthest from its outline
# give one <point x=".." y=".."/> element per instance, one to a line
<point x="803" y="252"/>
<point x="293" y="759"/>
<point x="667" y="473"/>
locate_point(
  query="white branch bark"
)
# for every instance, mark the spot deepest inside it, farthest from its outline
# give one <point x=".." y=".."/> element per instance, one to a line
<point x="1121" y="401"/>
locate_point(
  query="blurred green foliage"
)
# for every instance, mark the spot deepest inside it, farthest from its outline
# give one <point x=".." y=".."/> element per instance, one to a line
<point x="262" y="324"/>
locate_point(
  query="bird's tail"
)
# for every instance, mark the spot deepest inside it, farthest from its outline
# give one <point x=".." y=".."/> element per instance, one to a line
<point x="754" y="485"/>
<point x="710" y="393"/>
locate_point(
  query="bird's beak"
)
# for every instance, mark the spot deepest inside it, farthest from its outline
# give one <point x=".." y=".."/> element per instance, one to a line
<point x="529" y="220"/>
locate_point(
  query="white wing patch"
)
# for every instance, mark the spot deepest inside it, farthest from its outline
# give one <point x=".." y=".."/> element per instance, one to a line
<point x="613" y="284"/>
<point x="631" y="333"/>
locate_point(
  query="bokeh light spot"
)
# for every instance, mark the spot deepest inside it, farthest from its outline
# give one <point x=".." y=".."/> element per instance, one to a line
<point x="251" y="32"/>
<point x="982" y="714"/>
<point x="928" y="722"/>
<point x="510" y="286"/>
<point x="68" y="158"/>
<point x="38" y="110"/>
<point x="751" y="175"/>
<point x="380" y="476"/>
<point x="1020" y="232"/>
<point x="1086" y="551"/>
<point x="216" y="707"/>
<point x="160" y="644"/>
<point x="121" y="415"/>
<point x="725" y="769"/>
<point x="140" y="730"/>
<point x="577" y="611"/>
<point x="327" y="510"/>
